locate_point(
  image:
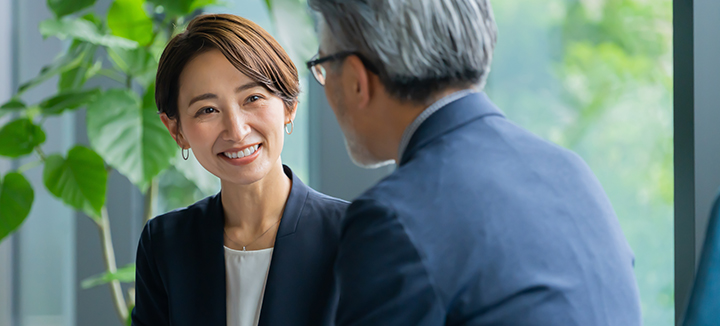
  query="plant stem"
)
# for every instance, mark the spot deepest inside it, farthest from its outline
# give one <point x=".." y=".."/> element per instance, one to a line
<point x="111" y="265"/>
<point x="150" y="197"/>
<point x="111" y="74"/>
<point x="40" y="153"/>
<point x="128" y="82"/>
<point x="29" y="165"/>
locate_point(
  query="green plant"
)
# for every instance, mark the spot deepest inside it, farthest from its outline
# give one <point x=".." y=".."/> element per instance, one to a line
<point x="123" y="127"/>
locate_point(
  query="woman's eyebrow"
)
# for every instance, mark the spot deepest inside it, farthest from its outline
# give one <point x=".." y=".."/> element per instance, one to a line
<point x="202" y="97"/>
<point x="248" y="86"/>
<point x="207" y="96"/>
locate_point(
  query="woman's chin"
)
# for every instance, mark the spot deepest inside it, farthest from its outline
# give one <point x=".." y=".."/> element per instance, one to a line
<point x="246" y="174"/>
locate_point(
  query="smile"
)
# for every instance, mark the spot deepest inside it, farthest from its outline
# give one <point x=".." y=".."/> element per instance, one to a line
<point x="240" y="157"/>
<point x="240" y="154"/>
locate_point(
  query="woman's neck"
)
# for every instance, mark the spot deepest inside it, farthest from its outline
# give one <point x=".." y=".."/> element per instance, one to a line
<point x="251" y="209"/>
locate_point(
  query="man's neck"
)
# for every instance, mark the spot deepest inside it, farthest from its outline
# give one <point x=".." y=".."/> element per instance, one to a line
<point x="404" y="113"/>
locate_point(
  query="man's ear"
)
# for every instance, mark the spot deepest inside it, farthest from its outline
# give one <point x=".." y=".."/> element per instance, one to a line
<point x="174" y="129"/>
<point x="357" y="76"/>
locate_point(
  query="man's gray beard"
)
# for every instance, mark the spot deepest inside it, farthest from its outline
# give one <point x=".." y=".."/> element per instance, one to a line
<point x="359" y="154"/>
<point x="361" y="157"/>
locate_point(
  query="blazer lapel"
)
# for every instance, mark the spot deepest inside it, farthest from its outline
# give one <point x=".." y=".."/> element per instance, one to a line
<point x="280" y="275"/>
<point x="450" y="117"/>
<point x="211" y="268"/>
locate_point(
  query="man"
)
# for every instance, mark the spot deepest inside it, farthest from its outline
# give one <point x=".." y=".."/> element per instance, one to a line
<point x="482" y="222"/>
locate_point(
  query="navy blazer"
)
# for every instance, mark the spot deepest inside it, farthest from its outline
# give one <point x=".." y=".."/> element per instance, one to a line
<point x="484" y="223"/>
<point x="180" y="276"/>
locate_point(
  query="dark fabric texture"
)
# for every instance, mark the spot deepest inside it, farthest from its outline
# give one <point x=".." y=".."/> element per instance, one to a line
<point x="180" y="277"/>
<point x="484" y="223"/>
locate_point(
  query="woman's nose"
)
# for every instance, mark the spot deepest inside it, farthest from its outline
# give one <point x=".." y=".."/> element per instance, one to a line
<point x="236" y="127"/>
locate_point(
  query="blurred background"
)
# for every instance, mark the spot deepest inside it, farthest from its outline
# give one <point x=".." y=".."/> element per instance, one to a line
<point x="595" y="76"/>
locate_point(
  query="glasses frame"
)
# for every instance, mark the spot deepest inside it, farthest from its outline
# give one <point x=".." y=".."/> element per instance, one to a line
<point x="337" y="56"/>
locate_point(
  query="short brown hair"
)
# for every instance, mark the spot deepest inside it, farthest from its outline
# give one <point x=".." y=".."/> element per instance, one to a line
<point x="246" y="45"/>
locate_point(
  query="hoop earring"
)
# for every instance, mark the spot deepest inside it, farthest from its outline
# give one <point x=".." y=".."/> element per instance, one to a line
<point x="185" y="153"/>
<point x="292" y="127"/>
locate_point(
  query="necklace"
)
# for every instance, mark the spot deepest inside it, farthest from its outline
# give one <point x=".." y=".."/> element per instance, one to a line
<point x="256" y="239"/>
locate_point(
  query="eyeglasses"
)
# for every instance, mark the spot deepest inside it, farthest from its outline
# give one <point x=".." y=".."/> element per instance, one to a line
<point x="319" y="72"/>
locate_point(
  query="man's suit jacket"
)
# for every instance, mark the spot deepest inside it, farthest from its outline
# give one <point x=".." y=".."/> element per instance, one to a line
<point x="180" y="278"/>
<point x="483" y="223"/>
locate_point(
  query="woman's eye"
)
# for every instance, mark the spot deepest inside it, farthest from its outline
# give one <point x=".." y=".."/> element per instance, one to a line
<point x="207" y="110"/>
<point x="253" y="98"/>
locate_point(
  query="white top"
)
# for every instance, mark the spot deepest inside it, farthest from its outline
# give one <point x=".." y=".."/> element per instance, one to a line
<point x="246" y="273"/>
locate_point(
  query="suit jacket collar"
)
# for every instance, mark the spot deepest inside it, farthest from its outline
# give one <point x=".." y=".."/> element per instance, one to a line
<point x="291" y="215"/>
<point x="450" y="117"/>
<point x="215" y="264"/>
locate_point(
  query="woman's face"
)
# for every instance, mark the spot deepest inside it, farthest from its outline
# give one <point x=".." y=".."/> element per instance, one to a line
<point x="233" y="125"/>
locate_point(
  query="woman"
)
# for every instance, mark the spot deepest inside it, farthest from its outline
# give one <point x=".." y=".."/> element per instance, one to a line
<point x="262" y="250"/>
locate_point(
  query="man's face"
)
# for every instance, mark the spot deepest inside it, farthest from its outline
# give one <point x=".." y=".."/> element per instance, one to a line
<point x="356" y="123"/>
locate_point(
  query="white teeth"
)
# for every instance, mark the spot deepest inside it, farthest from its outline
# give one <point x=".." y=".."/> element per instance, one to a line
<point x="243" y="153"/>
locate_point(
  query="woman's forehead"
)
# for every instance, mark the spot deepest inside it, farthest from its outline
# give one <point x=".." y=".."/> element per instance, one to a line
<point x="211" y="72"/>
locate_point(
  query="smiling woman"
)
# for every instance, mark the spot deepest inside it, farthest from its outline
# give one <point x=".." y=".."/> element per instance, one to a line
<point x="226" y="90"/>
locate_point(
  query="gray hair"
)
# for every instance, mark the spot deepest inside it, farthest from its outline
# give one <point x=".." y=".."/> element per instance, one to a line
<point x="419" y="47"/>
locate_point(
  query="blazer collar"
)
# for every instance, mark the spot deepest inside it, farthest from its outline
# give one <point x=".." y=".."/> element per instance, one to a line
<point x="291" y="215"/>
<point x="294" y="205"/>
<point x="215" y="264"/>
<point x="450" y="117"/>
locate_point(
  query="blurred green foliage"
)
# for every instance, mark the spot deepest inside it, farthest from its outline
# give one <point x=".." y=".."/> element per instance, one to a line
<point x="595" y="76"/>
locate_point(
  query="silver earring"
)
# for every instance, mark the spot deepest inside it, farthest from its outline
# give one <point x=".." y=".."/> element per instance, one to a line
<point x="185" y="153"/>
<point x="292" y="127"/>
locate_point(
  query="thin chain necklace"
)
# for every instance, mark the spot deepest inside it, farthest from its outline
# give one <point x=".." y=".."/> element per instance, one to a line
<point x="256" y="239"/>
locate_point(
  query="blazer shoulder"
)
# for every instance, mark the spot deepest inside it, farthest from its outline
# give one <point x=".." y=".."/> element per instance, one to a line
<point x="327" y="206"/>
<point x="181" y="217"/>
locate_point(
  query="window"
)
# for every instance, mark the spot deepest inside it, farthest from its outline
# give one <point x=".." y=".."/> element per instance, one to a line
<point x="595" y="76"/>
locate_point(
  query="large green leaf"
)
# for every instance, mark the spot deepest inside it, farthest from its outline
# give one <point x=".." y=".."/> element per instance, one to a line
<point x="182" y="8"/>
<point x="66" y="7"/>
<point x="139" y="63"/>
<point x="128" y="19"/>
<point x="295" y="30"/>
<point x="76" y="77"/>
<point x="125" y="274"/>
<point x="129" y="135"/>
<point x="16" y="198"/>
<point x="20" y="137"/>
<point x="68" y="100"/>
<point x="191" y="169"/>
<point x="80" y="180"/>
<point x="82" y="29"/>
<point x="13" y="105"/>
<point x="62" y="63"/>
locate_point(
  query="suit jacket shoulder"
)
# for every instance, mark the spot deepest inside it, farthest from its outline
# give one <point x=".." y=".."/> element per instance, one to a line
<point x="181" y="268"/>
<point x="496" y="226"/>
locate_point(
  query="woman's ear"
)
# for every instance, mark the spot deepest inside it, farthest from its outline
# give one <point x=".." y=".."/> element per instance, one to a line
<point x="174" y="129"/>
<point x="290" y="115"/>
